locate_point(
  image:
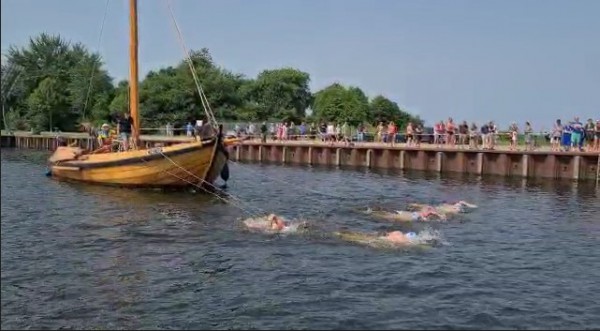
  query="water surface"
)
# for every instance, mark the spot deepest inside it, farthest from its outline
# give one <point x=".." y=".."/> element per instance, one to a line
<point x="77" y="256"/>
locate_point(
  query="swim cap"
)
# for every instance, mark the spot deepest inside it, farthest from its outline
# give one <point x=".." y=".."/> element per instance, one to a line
<point x="411" y="235"/>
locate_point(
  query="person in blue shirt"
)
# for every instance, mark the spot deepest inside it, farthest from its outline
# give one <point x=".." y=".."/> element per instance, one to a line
<point x="303" y="130"/>
<point x="189" y="129"/>
<point x="577" y="133"/>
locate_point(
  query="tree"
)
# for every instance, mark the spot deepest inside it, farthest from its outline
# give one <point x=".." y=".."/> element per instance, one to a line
<point x="12" y="95"/>
<point x="171" y="94"/>
<point x="283" y="93"/>
<point x="63" y="84"/>
<point x="48" y="107"/>
<point x="384" y="110"/>
<point x="68" y="76"/>
<point x="341" y="104"/>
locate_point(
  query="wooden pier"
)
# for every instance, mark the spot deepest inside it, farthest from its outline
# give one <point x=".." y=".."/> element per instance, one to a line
<point x="50" y="140"/>
<point x="501" y="162"/>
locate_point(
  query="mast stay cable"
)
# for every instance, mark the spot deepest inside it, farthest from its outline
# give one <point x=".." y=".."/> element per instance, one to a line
<point x="93" y="70"/>
<point x="205" y="104"/>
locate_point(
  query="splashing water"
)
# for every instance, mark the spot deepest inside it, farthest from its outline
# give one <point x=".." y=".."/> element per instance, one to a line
<point x="428" y="236"/>
<point x="262" y="224"/>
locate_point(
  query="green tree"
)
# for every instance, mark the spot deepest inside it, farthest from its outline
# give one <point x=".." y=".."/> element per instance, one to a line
<point x="341" y="104"/>
<point x="64" y="85"/>
<point x="282" y="93"/>
<point x="120" y="102"/>
<point x="48" y="107"/>
<point x="78" y="83"/>
<point x="384" y="110"/>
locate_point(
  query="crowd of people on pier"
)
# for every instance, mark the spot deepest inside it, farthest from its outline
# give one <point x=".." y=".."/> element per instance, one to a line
<point x="572" y="136"/>
<point x="276" y="224"/>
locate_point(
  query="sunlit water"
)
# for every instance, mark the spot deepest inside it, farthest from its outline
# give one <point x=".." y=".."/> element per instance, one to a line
<point x="76" y="256"/>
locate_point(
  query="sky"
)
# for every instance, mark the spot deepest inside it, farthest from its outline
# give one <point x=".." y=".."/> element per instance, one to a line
<point x="479" y="60"/>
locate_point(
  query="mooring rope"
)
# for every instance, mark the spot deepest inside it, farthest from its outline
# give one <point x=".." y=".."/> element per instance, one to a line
<point x="234" y="201"/>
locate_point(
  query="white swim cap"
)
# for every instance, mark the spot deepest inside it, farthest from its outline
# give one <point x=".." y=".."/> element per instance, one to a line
<point x="411" y="235"/>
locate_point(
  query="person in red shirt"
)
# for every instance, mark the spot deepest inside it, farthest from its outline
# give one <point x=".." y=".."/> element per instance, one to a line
<point x="392" y="133"/>
<point x="440" y="130"/>
<point x="450" y="130"/>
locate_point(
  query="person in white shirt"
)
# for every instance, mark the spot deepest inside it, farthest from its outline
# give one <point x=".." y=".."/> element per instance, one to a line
<point x="330" y="132"/>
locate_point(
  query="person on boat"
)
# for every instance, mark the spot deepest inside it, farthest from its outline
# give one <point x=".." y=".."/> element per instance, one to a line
<point x="124" y="129"/>
<point x="446" y="208"/>
<point x="104" y="140"/>
<point x="423" y="215"/>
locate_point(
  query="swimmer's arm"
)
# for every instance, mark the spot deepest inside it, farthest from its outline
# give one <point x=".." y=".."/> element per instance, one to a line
<point x="466" y="204"/>
<point x="416" y="206"/>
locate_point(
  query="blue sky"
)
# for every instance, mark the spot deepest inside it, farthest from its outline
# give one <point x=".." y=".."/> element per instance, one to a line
<point x="503" y="60"/>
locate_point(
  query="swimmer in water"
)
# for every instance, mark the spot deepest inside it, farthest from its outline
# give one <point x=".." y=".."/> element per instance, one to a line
<point x="423" y="215"/>
<point x="445" y="208"/>
<point x="395" y="237"/>
<point x="273" y="223"/>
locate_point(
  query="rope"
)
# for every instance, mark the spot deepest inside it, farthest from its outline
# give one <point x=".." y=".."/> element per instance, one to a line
<point x="209" y="114"/>
<point x="239" y="203"/>
<point x="205" y="190"/>
<point x="201" y="179"/>
<point x="89" y="90"/>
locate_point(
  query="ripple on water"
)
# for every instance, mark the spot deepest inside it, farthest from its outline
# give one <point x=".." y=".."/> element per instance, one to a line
<point x="75" y="256"/>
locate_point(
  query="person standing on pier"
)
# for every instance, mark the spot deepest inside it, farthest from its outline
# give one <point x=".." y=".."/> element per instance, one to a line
<point x="439" y="132"/>
<point x="597" y="137"/>
<point x="410" y="134"/>
<point x="392" y="130"/>
<point x="379" y="133"/>
<point x="528" y="131"/>
<point x="463" y="131"/>
<point x="450" y="132"/>
<point x="514" y="134"/>
<point x="346" y="134"/>
<point x="418" y="135"/>
<point x="252" y="131"/>
<point x="473" y="136"/>
<point x="577" y="132"/>
<point x="360" y="132"/>
<point x="589" y="134"/>
<point x="302" y="131"/>
<point x="557" y="133"/>
<point x="263" y="132"/>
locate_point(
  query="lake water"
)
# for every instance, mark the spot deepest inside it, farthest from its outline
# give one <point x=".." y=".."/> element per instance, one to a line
<point x="77" y="256"/>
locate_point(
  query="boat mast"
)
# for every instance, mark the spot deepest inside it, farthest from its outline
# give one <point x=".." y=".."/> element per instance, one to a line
<point x="133" y="70"/>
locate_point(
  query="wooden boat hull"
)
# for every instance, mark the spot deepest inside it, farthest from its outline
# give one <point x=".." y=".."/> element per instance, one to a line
<point x="176" y="166"/>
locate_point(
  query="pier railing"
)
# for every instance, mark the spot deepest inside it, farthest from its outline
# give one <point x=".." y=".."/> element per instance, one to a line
<point x="502" y="161"/>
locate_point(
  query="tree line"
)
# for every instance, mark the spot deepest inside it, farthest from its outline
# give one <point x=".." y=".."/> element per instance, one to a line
<point x="52" y="83"/>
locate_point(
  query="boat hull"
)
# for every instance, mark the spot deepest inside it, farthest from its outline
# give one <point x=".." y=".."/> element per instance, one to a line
<point x="176" y="166"/>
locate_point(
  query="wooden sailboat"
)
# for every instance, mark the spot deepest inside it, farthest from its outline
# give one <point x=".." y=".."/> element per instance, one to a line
<point x="184" y="164"/>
